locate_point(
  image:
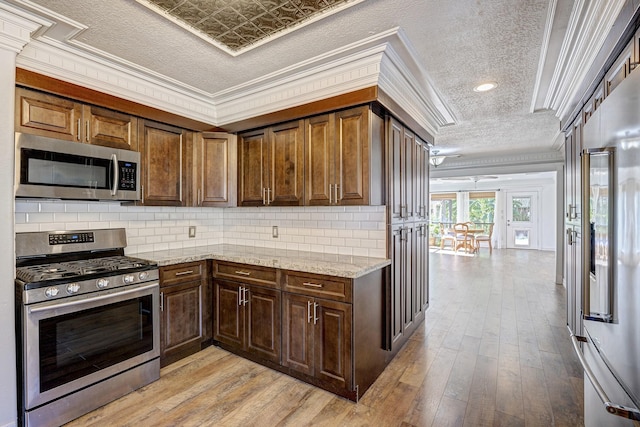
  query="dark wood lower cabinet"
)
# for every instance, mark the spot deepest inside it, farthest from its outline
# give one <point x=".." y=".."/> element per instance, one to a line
<point x="317" y="338"/>
<point x="324" y="330"/>
<point x="185" y="304"/>
<point x="247" y="318"/>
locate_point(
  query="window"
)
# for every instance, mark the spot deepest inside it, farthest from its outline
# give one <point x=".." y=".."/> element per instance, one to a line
<point x="444" y="208"/>
<point x="482" y="206"/>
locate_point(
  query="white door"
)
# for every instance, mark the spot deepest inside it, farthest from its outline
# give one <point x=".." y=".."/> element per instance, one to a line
<point x="522" y="220"/>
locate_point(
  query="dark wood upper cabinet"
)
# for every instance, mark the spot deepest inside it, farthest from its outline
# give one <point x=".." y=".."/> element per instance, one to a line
<point x="161" y="152"/>
<point x="344" y="158"/>
<point x="51" y="116"/>
<point x="271" y="166"/>
<point x="110" y="128"/>
<point x="214" y="160"/>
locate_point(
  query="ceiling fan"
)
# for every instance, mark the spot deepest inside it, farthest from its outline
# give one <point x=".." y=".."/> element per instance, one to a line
<point x="436" y="160"/>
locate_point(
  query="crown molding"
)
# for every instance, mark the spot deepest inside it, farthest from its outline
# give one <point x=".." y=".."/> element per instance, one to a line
<point x="469" y="162"/>
<point x="16" y="27"/>
<point x="587" y="28"/>
<point x="385" y="59"/>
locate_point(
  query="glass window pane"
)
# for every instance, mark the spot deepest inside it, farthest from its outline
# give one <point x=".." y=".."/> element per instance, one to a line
<point x="521" y="237"/>
<point x="521" y="207"/>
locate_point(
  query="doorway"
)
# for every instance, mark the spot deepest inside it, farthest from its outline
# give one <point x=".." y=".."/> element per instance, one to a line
<point x="522" y="220"/>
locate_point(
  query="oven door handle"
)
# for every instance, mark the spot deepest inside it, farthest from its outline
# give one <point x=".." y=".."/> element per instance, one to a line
<point x="89" y="300"/>
<point x="116" y="173"/>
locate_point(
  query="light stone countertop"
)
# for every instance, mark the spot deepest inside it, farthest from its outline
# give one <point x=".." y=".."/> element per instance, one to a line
<point x="309" y="262"/>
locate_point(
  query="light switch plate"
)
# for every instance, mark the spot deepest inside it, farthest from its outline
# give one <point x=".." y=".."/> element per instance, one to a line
<point x="192" y="231"/>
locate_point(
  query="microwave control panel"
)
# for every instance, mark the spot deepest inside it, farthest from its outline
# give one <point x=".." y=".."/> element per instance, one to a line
<point x="128" y="176"/>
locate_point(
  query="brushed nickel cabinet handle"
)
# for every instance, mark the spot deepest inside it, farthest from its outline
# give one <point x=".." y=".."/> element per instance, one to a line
<point x="336" y="187"/>
<point x="314" y="285"/>
<point x="330" y="192"/>
<point x="161" y="301"/>
<point x="182" y="273"/>
<point x="243" y="273"/>
<point x="142" y="195"/>
<point x="87" y="128"/>
<point x="78" y="131"/>
<point x="309" y="311"/>
<point x="315" y="313"/>
<point x="264" y="196"/>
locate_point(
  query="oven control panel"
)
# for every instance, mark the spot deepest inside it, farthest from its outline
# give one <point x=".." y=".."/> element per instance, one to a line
<point x="67" y="238"/>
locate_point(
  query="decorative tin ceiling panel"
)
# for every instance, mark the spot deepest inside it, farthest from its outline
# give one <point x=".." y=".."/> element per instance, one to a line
<point x="240" y="24"/>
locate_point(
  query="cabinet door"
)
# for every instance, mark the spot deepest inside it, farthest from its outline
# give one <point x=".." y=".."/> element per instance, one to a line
<point x="161" y="152"/>
<point x="253" y="175"/>
<point x="422" y="179"/>
<point x="352" y="156"/>
<point x="319" y="138"/>
<point x="577" y="169"/>
<point x="297" y="333"/>
<point x="109" y="128"/>
<point x="422" y="263"/>
<point x="263" y="323"/>
<point x="396" y="287"/>
<point x="47" y="115"/>
<point x="408" y="178"/>
<point x="181" y="321"/>
<point x="286" y="165"/>
<point x="229" y="314"/>
<point x="332" y="338"/>
<point x="215" y="159"/>
<point x="395" y="200"/>
<point x="409" y="284"/>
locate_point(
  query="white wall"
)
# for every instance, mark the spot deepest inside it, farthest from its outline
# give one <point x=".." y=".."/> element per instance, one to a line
<point x="544" y="183"/>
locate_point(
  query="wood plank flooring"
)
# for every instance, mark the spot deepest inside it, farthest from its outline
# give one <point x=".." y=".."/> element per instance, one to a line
<point x="494" y="351"/>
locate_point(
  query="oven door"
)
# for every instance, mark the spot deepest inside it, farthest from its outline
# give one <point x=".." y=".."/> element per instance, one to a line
<point x="78" y="341"/>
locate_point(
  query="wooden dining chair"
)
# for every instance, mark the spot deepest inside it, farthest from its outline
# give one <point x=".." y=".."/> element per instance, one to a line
<point x="447" y="235"/>
<point x="464" y="240"/>
<point x="485" y="238"/>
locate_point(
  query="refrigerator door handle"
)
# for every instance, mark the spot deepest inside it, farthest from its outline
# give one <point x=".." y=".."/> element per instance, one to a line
<point x="612" y="408"/>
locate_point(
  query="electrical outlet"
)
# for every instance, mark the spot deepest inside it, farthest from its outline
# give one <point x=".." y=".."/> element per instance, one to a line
<point x="274" y="232"/>
<point x="192" y="231"/>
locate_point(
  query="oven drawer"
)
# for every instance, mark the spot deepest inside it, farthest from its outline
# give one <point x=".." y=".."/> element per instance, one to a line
<point x="182" y="273"/>
<point x="263" y="276"/>
<point x="330" y="287"/>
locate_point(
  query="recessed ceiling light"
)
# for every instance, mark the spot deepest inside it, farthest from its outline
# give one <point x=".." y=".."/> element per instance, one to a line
<point x="485" y="87"/>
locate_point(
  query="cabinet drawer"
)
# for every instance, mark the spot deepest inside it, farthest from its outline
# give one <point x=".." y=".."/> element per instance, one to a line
<point x="336" y="288"/>
<point x="186" y="272"/>
<point x="246" y="273"/>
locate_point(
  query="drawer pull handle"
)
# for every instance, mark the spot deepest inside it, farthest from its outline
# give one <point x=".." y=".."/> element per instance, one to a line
<point x="182" y="273"/>
<point x="313" y="285"/>
<point x="243" y="273"/>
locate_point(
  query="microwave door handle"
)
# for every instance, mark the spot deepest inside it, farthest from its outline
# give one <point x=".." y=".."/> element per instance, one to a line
<point x="116" y="178"/>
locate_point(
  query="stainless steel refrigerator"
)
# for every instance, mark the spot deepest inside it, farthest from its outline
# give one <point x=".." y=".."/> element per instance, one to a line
<point x="610" y="347"/>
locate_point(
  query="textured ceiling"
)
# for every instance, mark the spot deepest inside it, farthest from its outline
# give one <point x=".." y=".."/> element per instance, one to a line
<point x="459" y="44"/>
<point x="239" y="24"/>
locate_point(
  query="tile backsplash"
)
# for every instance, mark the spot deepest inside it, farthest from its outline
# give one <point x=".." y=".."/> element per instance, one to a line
<point x="357" y="230"/>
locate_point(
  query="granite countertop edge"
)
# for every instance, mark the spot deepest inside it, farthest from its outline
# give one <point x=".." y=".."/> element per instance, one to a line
<point x="347" y="266"/>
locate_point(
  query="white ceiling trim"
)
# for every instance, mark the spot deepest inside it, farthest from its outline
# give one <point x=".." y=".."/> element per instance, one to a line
<point x="588" y="27"/>
<point x="16" y="28"/>
<point x="470" y="162"/>
<point x="384" y="59"/>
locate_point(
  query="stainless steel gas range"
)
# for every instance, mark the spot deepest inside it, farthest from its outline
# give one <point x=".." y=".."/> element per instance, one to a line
<point x="87" y="323"/>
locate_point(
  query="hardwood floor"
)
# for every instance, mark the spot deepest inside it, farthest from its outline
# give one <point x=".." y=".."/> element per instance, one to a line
<point x="494" y="351"/>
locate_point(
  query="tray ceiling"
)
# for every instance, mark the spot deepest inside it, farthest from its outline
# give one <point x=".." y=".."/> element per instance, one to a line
<point x="238" y="25"/>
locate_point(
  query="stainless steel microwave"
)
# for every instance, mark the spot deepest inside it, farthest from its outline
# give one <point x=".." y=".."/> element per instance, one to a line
<point x="58" y="169"/>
